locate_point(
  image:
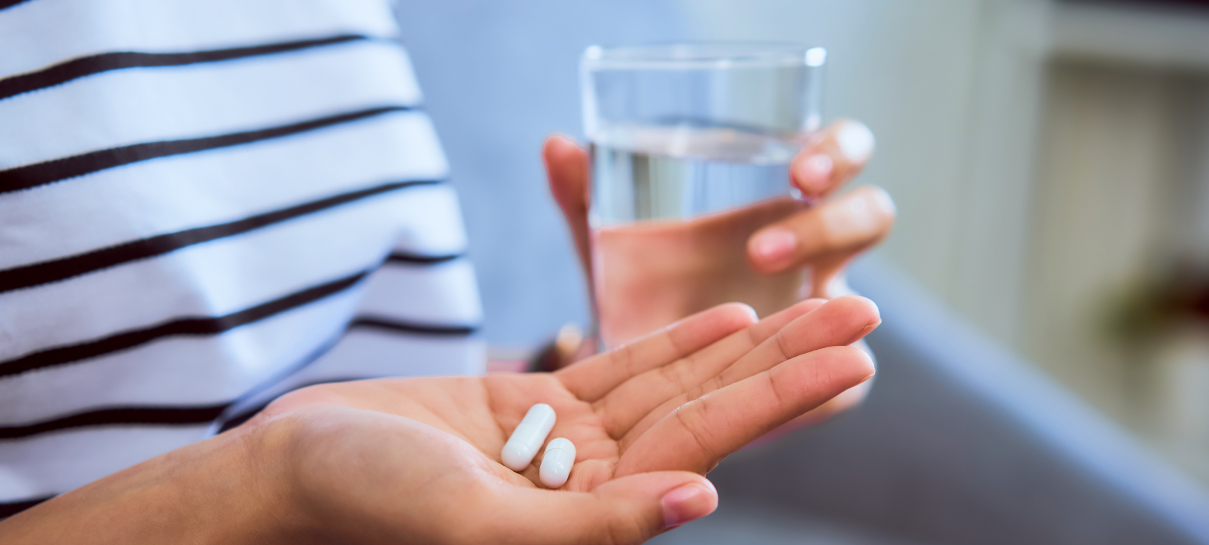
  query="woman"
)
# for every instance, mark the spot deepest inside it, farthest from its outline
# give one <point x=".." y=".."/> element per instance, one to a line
<point x="207" y="205"/>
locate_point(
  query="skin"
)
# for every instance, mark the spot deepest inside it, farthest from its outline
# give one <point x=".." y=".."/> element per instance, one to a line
<point x="826" y="236"/>
<point x="417" y="460"/>
<point x="654" y="273"/>
<point x="672" y="272"/>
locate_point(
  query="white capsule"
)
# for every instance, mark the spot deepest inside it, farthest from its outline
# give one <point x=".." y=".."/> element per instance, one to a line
<point x="528" y="437"/>
<point x="557" y="462"/>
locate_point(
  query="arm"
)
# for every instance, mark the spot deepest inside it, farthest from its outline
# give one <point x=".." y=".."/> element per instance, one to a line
<point x="222" y="490"/>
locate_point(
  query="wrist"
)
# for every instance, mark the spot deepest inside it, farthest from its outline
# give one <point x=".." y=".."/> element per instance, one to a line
<point x="236" y="489"/>
<point x="274" y="491"/>
<point x="222" y="490"/>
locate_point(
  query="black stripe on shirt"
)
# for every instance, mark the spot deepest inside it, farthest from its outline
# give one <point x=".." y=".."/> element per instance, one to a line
<point x="60" y="355"/>
<point x="129" y="416"/>
<point x="189" y="415"/>
<point x="401" y="326"/>
<point x="8" y="509"/>
<point x="283" y="376"/>
<point x="385" y="324"/>
<point x="399" y="256"/>
<point x="63" y="268"/>
<point x="37" y="174"/>
<point x="73" y="69"/>
<point x="4" y="4"/>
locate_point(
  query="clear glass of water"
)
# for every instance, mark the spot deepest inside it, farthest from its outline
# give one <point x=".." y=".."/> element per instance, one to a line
<point x="690" y="146"/>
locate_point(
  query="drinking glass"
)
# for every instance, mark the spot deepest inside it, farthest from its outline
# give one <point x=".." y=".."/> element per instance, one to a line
<point x="690" y="150"/>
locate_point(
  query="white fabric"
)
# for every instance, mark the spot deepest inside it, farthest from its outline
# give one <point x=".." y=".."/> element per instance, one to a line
<point x="358" y="355"/>
<point x="136" y="105"/>
<point x="56" y="462"/>
<point x="177" y="370"/>
<point x="434" y="293"/>
<point x="221" y="186"/>
<point x="38" y="34"/>
<point x="94" y="309"/>
<point x="232" y="273"/>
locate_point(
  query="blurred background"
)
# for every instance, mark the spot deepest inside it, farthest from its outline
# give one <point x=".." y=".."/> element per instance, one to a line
<point x="1049" y="160"/>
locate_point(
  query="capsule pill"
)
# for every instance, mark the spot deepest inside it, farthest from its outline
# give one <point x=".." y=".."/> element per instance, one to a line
<point x="528" y="437"/>
<point x="557" y="462"/>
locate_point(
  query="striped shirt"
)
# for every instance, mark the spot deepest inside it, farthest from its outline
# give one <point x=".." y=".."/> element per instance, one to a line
<point x="204" y="205"/>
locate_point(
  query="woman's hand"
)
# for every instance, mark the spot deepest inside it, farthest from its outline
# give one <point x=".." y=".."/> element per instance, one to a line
<point x="826" y="237"/>
<point x="419" y="458"/>
<point x="823" y="238"/>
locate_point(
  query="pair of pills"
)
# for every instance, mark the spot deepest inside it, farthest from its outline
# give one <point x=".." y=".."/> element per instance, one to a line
<point x="527" y="438"/>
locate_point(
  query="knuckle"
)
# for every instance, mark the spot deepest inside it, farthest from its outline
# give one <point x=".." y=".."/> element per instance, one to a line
<point x="622" y="529"/>
<point x="623" y="357"/>
<point x="780" y="397"/>
<point x="754" y="337"/>
<point x="609" y="419"/>
<point x="677" y="374"/>
<point x="692" y="418"/>
<point x="715" y="383"/>
<point x="784" y="345"/>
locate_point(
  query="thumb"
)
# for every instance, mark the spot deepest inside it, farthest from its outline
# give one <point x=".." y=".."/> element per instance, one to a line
<point x="631" y="509"/>
<point x="567" y="170"/>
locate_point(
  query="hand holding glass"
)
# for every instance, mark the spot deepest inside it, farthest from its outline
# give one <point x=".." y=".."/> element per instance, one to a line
<point x="690" y="154"/>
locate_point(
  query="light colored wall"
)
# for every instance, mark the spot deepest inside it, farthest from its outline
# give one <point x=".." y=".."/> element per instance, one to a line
<point x="1103" y="201"/>
<point x="1121" y="201"/>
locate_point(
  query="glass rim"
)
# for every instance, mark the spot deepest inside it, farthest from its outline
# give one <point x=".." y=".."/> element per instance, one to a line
<point x="701" y="55"/>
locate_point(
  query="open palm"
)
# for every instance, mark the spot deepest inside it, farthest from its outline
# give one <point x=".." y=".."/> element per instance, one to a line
<point x="678" y="400"/>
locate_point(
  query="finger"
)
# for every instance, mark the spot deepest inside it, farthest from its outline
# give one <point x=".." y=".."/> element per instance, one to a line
<point x="836" y="229"/>
<point x="697" y="435"/>
<point x="596" y="376"/>
<point x="840" y="322"/>
<point x="626" y="405"/>
<point x="836" y="405"/>
<point x="567" y="170"/>
<point x="831" y="158"/>
<point x="628" y="510"/>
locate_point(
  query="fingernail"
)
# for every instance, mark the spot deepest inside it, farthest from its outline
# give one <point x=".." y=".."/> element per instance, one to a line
<point x="774" y="245"/>
<point x="687" y="503"/>
<point x="855" y="141"/>
<point x="814" y="173"/>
